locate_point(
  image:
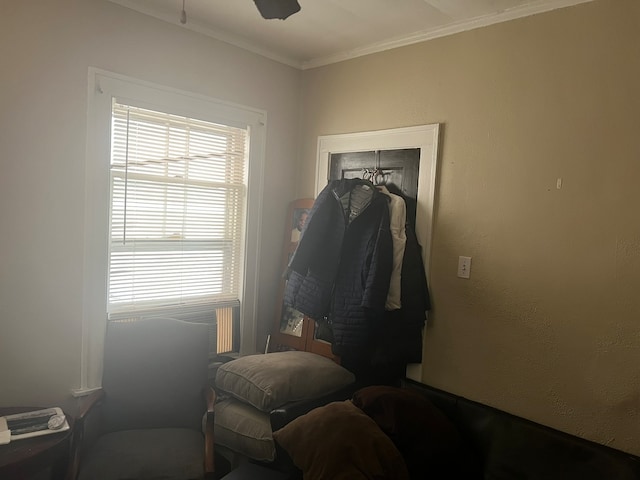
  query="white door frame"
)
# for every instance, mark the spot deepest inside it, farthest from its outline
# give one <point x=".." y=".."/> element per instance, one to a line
<point x="424" y="137"/>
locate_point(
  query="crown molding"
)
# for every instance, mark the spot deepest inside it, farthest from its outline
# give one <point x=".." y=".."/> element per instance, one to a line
<point x="534" y="8"/>
<point x="451" y="29"/>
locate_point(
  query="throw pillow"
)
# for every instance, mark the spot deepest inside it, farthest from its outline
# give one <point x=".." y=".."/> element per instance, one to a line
<point x="428" y="441"/>
<point x="244" y="429"/>
<point x="268" y="381"/>
<point x="340" y="442"/>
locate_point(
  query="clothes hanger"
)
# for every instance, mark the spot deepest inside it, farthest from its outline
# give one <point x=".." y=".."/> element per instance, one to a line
<point x="375" y="175"/>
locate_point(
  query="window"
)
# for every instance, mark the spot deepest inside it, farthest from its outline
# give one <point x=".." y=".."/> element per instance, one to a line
<point x="172" y="212"/>
<point x="178" y="194"/>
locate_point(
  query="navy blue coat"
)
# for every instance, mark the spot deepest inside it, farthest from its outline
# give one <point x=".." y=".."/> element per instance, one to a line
<point x="341" y="269"/>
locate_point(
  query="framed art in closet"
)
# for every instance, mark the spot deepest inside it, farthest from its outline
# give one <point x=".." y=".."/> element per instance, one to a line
<point x="293" y="330"/>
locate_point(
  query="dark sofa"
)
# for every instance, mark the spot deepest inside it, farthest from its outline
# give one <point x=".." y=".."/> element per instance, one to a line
<point x="495" y="445"/>
<point x="510" y="447"/>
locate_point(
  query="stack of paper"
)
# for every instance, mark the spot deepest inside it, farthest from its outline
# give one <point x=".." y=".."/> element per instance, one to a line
<point x="32" y="424"/>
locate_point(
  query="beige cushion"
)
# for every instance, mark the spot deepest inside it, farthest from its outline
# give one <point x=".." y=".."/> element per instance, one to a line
<point x="244" y="429"/>
<point x="271" y="380"/>
<point x="340" y="442"/>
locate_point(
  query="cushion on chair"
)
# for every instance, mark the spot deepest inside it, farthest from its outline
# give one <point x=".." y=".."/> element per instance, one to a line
<point x="268" y="381"/>
<point x="244" y="429"/>
<point x="162" y="453"/>
<point x="251" y="471"/>
<point x="154" y="373"/>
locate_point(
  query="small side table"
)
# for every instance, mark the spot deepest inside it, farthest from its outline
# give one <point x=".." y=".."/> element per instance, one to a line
<point x="20" y="459"/>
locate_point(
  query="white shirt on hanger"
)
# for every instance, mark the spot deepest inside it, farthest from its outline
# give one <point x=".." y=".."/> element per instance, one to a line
<point x="397" y="220"/>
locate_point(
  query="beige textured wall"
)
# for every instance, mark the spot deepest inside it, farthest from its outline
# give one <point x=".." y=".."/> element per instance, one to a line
<point x="46" y="48"/>
<point x="548" y="325"/>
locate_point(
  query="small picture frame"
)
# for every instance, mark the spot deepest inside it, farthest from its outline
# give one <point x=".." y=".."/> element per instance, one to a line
<point x="298" y="221"/>
<point x="291" y="321"/>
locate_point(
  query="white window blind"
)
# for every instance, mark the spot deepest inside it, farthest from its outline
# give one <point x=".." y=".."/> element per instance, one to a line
<point x="178" y="203"/>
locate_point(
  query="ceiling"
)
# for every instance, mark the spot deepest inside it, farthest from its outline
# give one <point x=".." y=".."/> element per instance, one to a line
<point x="329" y="31"/>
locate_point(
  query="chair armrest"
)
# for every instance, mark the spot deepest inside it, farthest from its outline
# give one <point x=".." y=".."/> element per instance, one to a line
<point x="209" y="444"/>
<point x="87" y="404"/>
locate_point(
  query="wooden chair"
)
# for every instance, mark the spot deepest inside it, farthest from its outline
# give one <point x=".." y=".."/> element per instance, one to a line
<point x="153" y="417"/>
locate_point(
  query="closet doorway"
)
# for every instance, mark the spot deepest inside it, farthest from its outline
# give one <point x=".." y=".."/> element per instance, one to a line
<point x="424" y="138"/>
<point x="403" y="157"/>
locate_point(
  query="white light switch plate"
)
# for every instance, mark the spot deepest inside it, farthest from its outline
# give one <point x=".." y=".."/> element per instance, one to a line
<point x="464" y="267"/>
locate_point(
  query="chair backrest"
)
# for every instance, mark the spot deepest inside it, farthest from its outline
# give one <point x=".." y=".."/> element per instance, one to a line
<point x="155" y="373"/>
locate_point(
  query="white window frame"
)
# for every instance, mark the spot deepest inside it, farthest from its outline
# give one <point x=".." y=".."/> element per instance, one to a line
<point x="103" y="86"/>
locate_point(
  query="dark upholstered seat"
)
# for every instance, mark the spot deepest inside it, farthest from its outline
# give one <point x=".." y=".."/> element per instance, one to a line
<point x="149" y="413"/>
<point x="250" y="471"/>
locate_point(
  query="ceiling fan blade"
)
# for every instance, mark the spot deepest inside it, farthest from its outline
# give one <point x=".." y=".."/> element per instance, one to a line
<point x="277" y="8"/>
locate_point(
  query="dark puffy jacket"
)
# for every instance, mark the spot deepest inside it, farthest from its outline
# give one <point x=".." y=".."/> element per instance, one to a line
<point x="398" y="339"/>
<point x="342" y="266"/>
